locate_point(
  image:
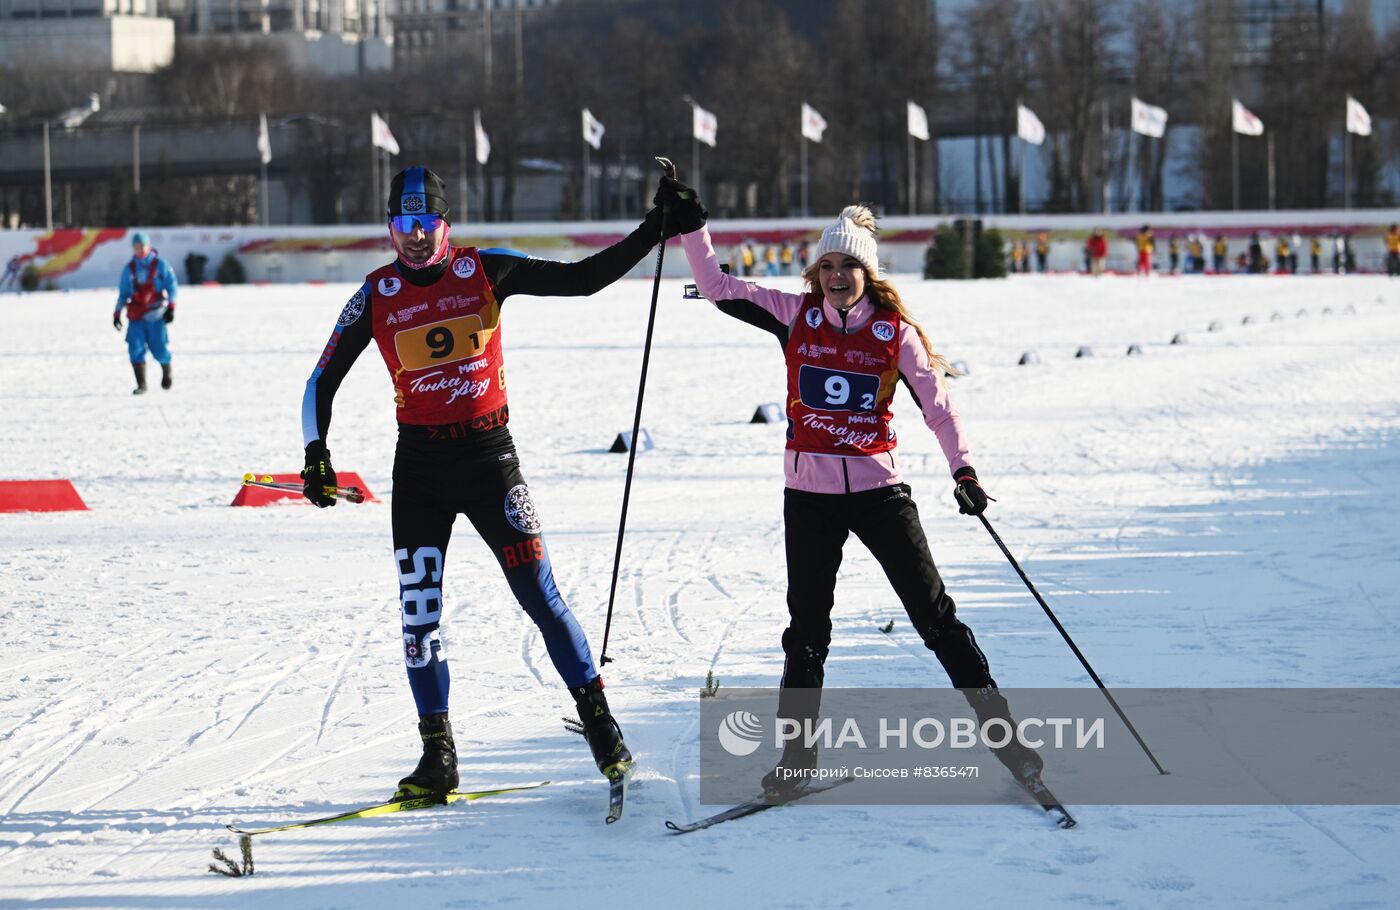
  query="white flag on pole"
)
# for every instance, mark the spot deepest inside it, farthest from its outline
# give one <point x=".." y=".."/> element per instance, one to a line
<point x="1244" y="120"/>
<point x="1028" y="125"/>
<point x="264" y="142"/>
<point x="1149" y="120"/>
<point x="918" y="122"/>
<point x="592" y="130"/>
<point x="379" y="134"/>
<point x="1358" y="121"/>
<point x="483" y="144"/>
<point x="704" y="125"/>
<point x="813" y="124"/>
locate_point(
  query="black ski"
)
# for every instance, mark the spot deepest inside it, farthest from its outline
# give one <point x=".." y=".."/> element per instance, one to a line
<point x="617" y="790"/>
<point x="618" y="777"/>
<point x="1047" y="801"/>
<point x="754" y="806"/>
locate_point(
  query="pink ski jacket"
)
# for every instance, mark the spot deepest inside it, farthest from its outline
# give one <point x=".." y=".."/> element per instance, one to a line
<point x="774" y="311"/>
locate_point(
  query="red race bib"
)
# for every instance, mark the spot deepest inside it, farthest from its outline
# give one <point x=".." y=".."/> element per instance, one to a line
<point x="442" y="343"/>
<point x="840" y="386"/>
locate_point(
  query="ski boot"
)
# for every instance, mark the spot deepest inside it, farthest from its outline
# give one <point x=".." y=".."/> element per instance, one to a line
<point x="165" y="376"/>
<point x="792" y="773"/>
<point x="604" y="736"/>
<point x="436" y="774"/>
<point x="139" y="369"/>
<point x="1024" y="763"/>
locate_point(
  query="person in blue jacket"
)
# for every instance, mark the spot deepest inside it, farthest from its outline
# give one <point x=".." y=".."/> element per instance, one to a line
<point x="147" y="289"/>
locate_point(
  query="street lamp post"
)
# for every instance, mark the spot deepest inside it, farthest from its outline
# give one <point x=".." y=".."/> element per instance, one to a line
<point x="48" y="182"/>
<point x="694" y="146"/>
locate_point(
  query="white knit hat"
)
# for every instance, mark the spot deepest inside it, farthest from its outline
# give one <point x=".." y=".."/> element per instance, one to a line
<point x="852" y="234"/>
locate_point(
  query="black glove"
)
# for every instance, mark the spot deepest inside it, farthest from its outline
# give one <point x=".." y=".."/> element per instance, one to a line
<point x="117" y="320"/>
<point x="317" y="475"/>
<point x="169" y="315"/>
<point x="687" y="213"/>
<point x="968" y="493"/>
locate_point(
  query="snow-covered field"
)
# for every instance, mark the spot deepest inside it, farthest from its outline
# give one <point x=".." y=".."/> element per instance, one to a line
<point x="1219" y="513"/>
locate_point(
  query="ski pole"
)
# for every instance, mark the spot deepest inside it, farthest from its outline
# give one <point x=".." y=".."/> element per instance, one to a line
<point x="670" y="170"/>
<point x="963" y="498"/>
<point x="350" y="494"/>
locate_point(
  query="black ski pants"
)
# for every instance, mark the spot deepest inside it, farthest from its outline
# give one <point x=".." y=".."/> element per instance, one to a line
<point x="434" y="482"/>
<point x="886" y="520"/>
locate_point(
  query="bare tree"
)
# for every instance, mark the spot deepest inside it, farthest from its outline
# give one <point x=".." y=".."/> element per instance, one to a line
<point x="1071" y="55"/>
<point x="228" y="78"/>
<point x="995" y="44"/>
<point x="1355" y="67"/>
<point x="1161" y="50"/>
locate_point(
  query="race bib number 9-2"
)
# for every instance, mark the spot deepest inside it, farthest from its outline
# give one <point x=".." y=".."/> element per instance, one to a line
<point x="837" y="390"/>
<point x="439" y="343"/>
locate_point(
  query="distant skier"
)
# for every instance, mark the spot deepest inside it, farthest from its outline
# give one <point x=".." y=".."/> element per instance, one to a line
<point x="1145" y="247"/>
<point x="147" y="289"/>
<point x="848" y="339"/>
<point x="1258" y="262"/>
<point x="1392" y="251"/>
<point x="1220" y="252"/>
<point x="12" y="268"/>
<point x="435" y="314"/>
<point x="1096" y="252"/>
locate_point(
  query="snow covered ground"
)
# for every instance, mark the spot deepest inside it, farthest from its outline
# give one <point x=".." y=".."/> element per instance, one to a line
<point x="1218" y="513"/>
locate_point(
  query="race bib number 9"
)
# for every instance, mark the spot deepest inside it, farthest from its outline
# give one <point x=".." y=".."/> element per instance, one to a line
<point x="837" y="390"/>
<point x="440" y="342"/>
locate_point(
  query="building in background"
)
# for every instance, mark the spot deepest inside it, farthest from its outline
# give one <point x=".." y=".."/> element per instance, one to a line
<point x="422" y="27"/>
<point x="326" y="37"/>
<point x="118" y="36"/>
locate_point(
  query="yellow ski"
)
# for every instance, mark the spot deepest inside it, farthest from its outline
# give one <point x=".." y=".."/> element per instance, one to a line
<point x="403" y="805"/>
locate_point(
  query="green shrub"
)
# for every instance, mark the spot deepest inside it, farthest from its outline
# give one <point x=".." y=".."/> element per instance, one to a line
<point x="989" y="255"/>
<point x="945" y="257"/>
<point x="230" y="271"/>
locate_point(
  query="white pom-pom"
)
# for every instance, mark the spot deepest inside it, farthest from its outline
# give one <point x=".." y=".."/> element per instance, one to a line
<point x="860" y="216"/>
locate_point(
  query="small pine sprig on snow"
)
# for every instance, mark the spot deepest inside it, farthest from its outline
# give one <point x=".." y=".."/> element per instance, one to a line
<point x="230" y="868"/>
<point x="711" y="685"/>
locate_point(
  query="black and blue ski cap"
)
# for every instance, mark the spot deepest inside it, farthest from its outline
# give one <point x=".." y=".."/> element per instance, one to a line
<point x="416" y="191"/>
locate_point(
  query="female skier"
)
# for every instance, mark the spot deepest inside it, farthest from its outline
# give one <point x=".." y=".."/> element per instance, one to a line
<point x="435" y="314"/>
<point x="848" y="339"/>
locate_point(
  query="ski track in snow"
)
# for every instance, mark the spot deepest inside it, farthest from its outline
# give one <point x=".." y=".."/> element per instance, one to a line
<point x="1218" y="513"/>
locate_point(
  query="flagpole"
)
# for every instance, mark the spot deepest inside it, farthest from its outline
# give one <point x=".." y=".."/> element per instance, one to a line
<point x="803" y="140"/>
<point x="1235" y="164"/>
<point x="264" y="192"/>
<point x="912" y="183"/>
<point x="587" y="179"/>
<point x="481" y="187"/>
<point x="373" y="174"/>
<point x="1271" y="171"/>
<point x="1103" y="155"/>
<point x="1021" y="143"/>
<point x="1346" y="175"/>
<point x="1135" y="193"/>
<point x="48" y="181"/>
<point x="463" y="180"/>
